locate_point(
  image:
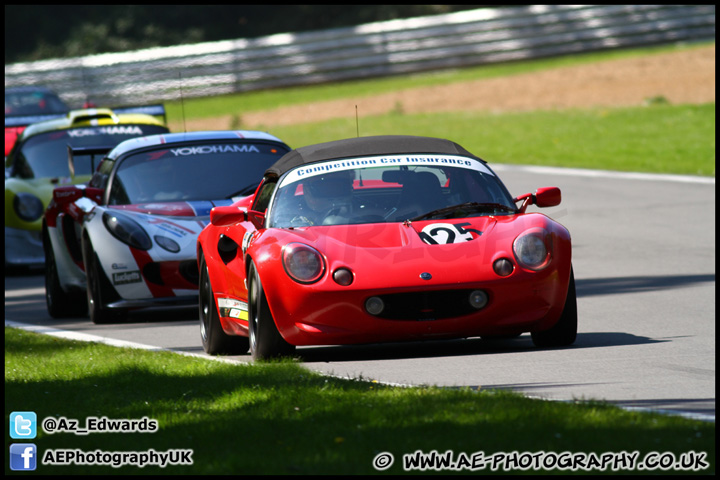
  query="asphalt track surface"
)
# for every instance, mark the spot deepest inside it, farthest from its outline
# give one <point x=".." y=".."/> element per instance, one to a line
<point x="644" y="261"/>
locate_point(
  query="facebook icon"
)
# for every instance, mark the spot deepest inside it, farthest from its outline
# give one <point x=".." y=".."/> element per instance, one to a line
<point x="23" y="456"/>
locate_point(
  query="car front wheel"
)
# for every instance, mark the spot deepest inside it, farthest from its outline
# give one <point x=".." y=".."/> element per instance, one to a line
<point x="214" y="339"/>
<point x="99" y="290"/>
<point x="265" y="339"/>
<point x="60" y="304"/>
<point x="564" y="332"/>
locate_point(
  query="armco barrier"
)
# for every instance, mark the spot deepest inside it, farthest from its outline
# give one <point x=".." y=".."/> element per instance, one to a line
<point x="461" y="39"/>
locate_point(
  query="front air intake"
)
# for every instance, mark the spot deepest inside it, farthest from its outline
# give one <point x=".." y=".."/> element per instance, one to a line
<point x="429" y="305"/>
<point x="227" y="248"/>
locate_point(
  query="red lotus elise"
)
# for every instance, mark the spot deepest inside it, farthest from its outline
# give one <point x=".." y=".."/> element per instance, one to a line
<point x="378" y="239"/>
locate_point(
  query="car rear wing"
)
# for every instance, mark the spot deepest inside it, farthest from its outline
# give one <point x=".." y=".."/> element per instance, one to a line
<point x="156" y="110"/>
<point x="25" y="120"/>
<point x="92" y="151"/>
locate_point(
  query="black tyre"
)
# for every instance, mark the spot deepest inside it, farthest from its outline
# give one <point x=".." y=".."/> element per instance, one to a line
<point x="100" y="292"/>
<point x="564" y="332"/>
<point x="214" y="339"/>
<point x="265" y="339"/>
<point x="60" y="304"/>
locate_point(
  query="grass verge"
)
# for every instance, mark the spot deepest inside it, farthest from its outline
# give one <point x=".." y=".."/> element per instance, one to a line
<point x="657" y="139"/>
<point x="279" y="418"/>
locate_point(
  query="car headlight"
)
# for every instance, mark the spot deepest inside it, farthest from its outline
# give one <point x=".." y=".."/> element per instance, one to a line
<point x="28" y="207"/>
<point x="167" y="243"/>
<point x="127" y="231"/>
<point x="303" y="263"/>
<point x="531" y="250"/>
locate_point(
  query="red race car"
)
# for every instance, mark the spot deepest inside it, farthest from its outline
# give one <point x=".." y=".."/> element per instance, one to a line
<point x="26" y="105"/>
<point x="377" y="239"/>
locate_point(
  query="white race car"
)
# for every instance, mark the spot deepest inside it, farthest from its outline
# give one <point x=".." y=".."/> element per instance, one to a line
<point x="127" y="239"/>
<point x="38" y="162"/>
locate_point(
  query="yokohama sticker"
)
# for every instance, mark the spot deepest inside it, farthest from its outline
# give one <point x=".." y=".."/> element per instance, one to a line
<point x="208" y="149"/>
<point x="110" y="130"/>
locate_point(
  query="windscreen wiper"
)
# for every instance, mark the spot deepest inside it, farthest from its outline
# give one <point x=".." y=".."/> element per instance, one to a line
<point x="460" y="210"/>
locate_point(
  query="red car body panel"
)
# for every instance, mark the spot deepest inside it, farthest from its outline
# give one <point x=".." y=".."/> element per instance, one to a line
<point x="326" y="313"/>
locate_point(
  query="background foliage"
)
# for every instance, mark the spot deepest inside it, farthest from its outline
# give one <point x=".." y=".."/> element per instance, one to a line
<point x="35" y="32"/>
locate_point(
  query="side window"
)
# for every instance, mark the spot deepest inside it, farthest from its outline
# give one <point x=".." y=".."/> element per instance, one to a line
<point x="263" y="197"/>
<point x="118" y="195"/>
<point x="21" y="167"/>
<point x="100" y="177"/>
<point x="98" y="180"/>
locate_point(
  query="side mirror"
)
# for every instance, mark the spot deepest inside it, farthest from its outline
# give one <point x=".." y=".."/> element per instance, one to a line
<point x="547" y="197"/>
<point x="95" y="194"/>
<point x="257" y="219"/>
<point x="543" y="197"/>
<point x="226" y="216"/>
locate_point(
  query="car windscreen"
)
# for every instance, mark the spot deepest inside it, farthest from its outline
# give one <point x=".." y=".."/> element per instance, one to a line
<point x="392" y="188"/>
<point x="202" y="171"/>
<point x="33" y="103"/>
<point x="46" y="155"/>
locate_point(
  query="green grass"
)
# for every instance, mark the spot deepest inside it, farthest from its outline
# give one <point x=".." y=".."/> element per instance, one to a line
<point x="279" y="418"/>
<point x="658" y="138"/>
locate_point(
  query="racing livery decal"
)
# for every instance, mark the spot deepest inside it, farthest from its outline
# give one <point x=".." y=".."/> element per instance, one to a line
<point x="247" y="238"/>
<point x="446" y="233"/>
<point x="208" y="149"/>
<point x="199" y="208"/>
<point x="233" y="308"/>
<point x="389" y="160"/>
<point x="110" y="130"/>
<point x="126" y="277"/>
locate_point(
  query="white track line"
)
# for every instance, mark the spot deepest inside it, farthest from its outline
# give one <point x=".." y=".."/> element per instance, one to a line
<point x="86" y="337"/>
<point x="580" y="172"/>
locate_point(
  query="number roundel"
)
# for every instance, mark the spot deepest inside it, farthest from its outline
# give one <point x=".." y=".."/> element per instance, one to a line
<point x="446" y="233"/>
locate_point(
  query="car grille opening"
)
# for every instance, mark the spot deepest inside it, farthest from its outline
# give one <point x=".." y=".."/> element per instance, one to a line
<point x="427" y="305"/>
<point x="151" y="272"/>
<point x="189" y="271"/>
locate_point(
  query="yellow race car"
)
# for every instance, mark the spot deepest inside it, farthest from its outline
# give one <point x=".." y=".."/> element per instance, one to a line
<point x="38" y="163"/>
